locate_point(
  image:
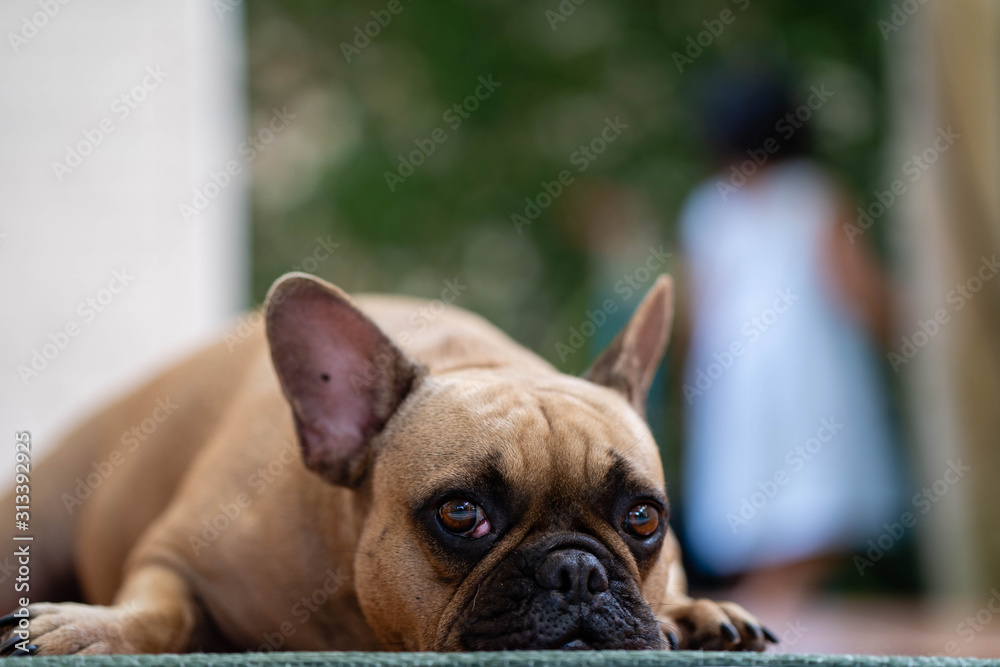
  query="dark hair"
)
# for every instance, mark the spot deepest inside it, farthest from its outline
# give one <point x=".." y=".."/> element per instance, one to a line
<point x="740" y="109"/>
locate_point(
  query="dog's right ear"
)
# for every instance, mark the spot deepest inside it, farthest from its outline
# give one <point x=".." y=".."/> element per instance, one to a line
<point x="630" y="361"/>
<point x="341" y="374"/>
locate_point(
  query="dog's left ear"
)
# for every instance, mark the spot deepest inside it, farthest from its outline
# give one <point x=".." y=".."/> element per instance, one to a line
<point x="340" y="372"/>
<point x="630" y="361"/>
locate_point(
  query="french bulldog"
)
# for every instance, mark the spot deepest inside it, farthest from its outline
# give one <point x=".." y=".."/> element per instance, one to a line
<point x="350" y="477"/>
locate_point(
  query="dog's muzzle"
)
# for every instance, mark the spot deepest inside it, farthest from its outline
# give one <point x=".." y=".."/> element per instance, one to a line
<point x="560" y="592"/>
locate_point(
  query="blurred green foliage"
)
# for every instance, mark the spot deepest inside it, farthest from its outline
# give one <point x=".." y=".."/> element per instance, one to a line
<point x="558" y="83"/>
<point x="563" y="68"/>
<point x="358" y="109"/>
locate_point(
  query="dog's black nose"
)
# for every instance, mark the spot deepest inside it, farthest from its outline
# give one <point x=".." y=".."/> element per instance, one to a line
<point x="577" y="574"/>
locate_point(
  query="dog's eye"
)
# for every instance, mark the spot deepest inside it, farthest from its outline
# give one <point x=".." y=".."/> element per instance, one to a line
<point x="642" y="520"/>
<point x="464" y="518"/>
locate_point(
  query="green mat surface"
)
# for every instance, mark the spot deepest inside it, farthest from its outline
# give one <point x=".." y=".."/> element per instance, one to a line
<point x="512" y="659"/>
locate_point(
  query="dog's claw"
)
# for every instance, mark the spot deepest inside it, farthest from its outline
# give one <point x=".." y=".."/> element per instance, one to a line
<point x="9" y="643"/>
<point x="754" y="631"/>
<point x="730" y="632"/>
<point x="10" y="619"/>
<point x="770" y="636"/>
<point x="32" y="649"/>
<point x="672" y="640"/>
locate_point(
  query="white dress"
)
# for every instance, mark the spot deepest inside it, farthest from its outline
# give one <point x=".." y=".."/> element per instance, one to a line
<point x="788" y="450"/>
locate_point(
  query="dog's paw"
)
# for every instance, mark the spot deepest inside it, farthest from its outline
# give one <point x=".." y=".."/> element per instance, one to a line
<point x="65" y="628"/>
<point x="707" y="625"/>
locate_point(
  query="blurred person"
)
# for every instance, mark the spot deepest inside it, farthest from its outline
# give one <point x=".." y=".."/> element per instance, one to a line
<point x="789" y="451"/>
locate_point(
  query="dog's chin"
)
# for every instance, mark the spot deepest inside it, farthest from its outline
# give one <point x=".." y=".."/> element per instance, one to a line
<point x="634" y="634"/>
<point x="543" y="622"/>
<point x="570" y="642"/>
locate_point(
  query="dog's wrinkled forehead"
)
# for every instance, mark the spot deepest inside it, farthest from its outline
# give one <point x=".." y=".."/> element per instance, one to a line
<point x="535" y="433"/>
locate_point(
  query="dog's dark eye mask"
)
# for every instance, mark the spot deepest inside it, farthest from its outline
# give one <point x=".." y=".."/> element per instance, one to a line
<point x="463" y="519"/>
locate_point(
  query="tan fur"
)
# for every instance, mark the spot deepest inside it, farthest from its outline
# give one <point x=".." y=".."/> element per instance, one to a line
<point x="131" y="540"/>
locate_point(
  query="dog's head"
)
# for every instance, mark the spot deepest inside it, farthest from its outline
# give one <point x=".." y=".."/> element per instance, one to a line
<point x="504" y="508"/>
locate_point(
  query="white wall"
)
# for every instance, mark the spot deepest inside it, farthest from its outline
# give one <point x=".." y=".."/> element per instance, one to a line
<point x="64" y="235"/>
